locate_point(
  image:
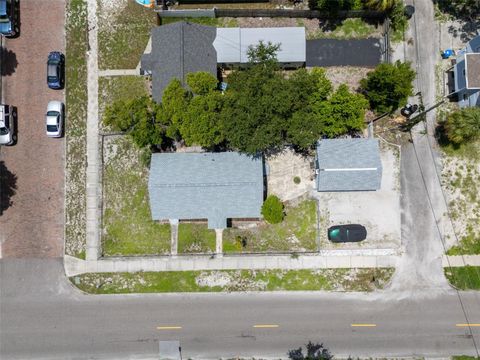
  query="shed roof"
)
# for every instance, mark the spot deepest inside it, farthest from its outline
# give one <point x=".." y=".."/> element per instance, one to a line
<point x="348" y="165"/>
<point x="232" y="44"/>
<point x="213" y="186"/>
<point x="178" y="49"/>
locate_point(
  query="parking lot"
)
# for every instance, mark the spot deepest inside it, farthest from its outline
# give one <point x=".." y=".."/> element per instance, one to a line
<point x="32" y="216"/>
<point x="378" y="211"/>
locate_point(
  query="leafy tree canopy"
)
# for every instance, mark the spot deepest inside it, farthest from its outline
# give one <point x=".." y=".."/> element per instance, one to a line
<point x="201" y="123"/>
<point x="137" y="118"/>
<point x="201" y="82"/>
<point x="388" y="86"/>
<point x="263" y="53"/>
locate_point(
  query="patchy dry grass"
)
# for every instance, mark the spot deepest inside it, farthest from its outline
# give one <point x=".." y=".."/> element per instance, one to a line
<point x="346" y="30"/>
<point x="297" y="232"/>
<point x="128" y="228"/>
<point x="461" y="179"/>
<point x="123" y="33"/>
<point x="76" y="108"/>
<point x="235" y="280"/>
<point x="195" y="238"/>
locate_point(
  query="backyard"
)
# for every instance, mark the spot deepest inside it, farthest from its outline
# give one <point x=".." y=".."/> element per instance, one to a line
<point x="297" y="232"/>
<point x="123" y="33"/>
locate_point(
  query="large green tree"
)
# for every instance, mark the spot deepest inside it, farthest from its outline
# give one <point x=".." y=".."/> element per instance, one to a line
<point x="137" y="118"/>
<point x="201" y="82"/>
<point x="257" y="105"/>
<point x="463" y="125"/>
<point x="388" y="86"/>
<point x="343" y="113"/>
<point x="201" y="124"/>
<point x="175" y="100"/>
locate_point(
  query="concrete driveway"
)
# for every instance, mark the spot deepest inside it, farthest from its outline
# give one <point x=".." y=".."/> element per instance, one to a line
<point x="333" y="52"/>
<point x="32" y="218"/>
<point x="378" y="211"/>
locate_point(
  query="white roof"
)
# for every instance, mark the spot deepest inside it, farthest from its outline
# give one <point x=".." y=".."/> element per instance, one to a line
<point x="232" y="44"/>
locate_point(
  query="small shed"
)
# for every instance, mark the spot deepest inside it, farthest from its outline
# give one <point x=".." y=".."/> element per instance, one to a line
<point x="232" y="44"/>
<point x="211" y="186"/>
<point x="348" y="165"/>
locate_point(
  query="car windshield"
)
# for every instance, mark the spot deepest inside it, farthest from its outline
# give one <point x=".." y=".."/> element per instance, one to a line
<point x="3" y="130"/>
<point x="53" y="113"/>
<point x="52" y="70"/>
<point x="335" y="233"/>
<point x="4" y="19"/>
<point x="52" y="128"/>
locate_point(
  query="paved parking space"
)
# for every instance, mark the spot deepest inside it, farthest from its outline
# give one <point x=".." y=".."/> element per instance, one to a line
<point x="332" y="52"/>
<point x="378" y="211"/>
<point x="32" y="226"/>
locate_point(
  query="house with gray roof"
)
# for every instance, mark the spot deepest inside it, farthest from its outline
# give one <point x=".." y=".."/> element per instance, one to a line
<point x="206" y="186"/>
<point x="348" y="165"/>
<point x="181" y="48"/>
<point x="178" y="49"/>
<point x="464" y="76"/>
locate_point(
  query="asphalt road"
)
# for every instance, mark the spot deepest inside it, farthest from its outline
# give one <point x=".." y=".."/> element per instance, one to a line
<point x="43" y="317"/>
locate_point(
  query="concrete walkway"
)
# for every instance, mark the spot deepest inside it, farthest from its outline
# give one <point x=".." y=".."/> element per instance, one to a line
<point x="461" y="260"/>
<point x="326" y="260"/>
<point x="119" y="72"/>
<point x="93" y="159"/>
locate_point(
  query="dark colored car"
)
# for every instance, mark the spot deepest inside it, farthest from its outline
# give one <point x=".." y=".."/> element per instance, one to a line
<point x="7" y="18"/>
<point x="55" y="70"/>
<point x="347" y="233"/>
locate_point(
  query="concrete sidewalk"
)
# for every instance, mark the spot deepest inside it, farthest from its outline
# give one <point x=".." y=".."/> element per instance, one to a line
<point x="461" y="260"/>
<point x="325" y="260"/>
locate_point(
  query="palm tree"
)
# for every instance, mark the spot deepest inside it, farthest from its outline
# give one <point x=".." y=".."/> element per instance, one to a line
<point x="464" y="125"/>
<point x="381" y="5"/>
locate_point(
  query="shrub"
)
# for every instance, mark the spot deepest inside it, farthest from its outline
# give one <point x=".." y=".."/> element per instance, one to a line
<point x="388" y="87"/>
<point x="272" y="210"/>
<point x="201" y="82"/>
<point x="296" y="180"/>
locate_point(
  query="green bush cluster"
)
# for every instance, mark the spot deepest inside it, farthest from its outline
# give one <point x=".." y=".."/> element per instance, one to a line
<point x="273" y="210"/>
<point x="462" y="126"/>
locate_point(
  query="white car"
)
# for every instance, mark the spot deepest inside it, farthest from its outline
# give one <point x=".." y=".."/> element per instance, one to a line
<point x="54" y="119"/>
<point x="7" y="130"/>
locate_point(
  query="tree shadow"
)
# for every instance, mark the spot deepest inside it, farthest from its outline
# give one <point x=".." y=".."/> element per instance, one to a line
<point x="8" y="187"/>
<point x="9" y="61"/>
<point x="466" y="30"/>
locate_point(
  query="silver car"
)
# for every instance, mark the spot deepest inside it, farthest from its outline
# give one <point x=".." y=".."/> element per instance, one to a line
<point x="7" y="130"/>
<point x="54" y="119"/>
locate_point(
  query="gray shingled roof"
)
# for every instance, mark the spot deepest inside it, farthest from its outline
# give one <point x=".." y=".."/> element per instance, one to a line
<point x="348" y="165"/>
<point x="178" y="49"/>
<point x="213" y="186"/>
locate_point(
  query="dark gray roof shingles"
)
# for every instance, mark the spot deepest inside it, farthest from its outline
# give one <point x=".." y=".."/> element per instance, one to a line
<point x="178" y="49"/>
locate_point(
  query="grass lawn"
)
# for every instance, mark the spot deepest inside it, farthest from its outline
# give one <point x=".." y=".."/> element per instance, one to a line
<point x="234" y="280"/>
<point x="297" y="232"/>
<point x="348" y="29"/>
<point x="75" y="128"/>
<point x="195" y="238"/>
<point x="464" y="278"/>
<point x="127" y="225"/>
<point x="123" y="34"/>
<point x="464" y="357"/>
